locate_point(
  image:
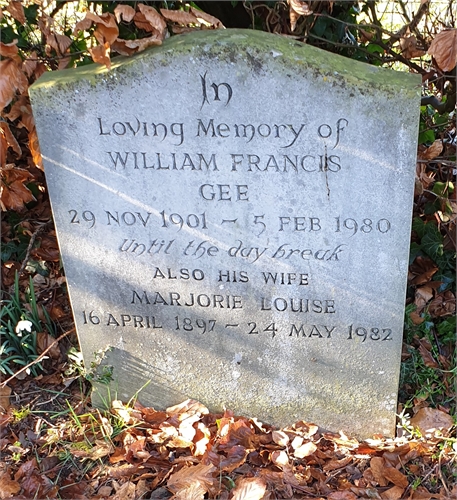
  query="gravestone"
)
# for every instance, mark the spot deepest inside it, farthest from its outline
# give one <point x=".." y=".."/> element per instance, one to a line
<point x="233" y="210"/>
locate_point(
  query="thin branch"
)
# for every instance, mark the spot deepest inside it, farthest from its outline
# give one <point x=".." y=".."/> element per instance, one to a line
<point x="38" y="359"/>
<point x="30" y="247"/>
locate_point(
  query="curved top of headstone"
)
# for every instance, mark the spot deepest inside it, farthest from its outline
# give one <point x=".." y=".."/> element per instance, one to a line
<point x="234" y="45"/>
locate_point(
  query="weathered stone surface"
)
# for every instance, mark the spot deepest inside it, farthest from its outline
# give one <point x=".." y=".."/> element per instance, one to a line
<point x="233" y="210"/>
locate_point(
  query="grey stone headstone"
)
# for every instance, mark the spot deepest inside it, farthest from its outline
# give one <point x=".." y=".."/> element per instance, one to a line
<point x="233" y="210"/>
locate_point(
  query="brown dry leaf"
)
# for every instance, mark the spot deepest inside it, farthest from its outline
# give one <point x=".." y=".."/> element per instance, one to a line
<point x="179" y="16"/>
<point x="125" y="12"/>
<point x="44" y="340"/>
<point x="280" y="458"/>
<point x="11" y="79"/>
<point x="377" y="466"/>
<point x="366" y="35"/>
<point x="433" y="151"/>
<point x="10" y="139"/>
<point x="201" y="439"/>
<point x="443" y="304"/>
<point x="126" y="492"/>
<point x="427" y="420"/>
<point x="422" y="296"/>
<point x="393" y="493"/>
<point x="396" y="477"/>
<point x="342" y="495"/>
<point x="82" y="25"/>
<point x="5" y="393"/>
<point x="13" y="193"/>
<point x="3" y="148"/>
<point x="34" y="147"/>
<point x="48" y="249"/>
<point x="305" y="450"/>
<point x="208" y="18"/>
<point x="107" y="30"/>
<point x="236" y="456"/>
<point x="100" y="54"/>
<point x="300" y="7"/>
<point x="427" y="357"/>
<point x="142" y="23"/>
<point x="59" y="43"/>
<point x="249" y="488"/>
<point x="408" y="46"/>
<point x="20" y="108"/>
<point x="187" y="408"/>
<point x="297" y="8"/>
<point x="10" y="50"/>
<point x="187" y="477"/>
<point x="129" y="47"/>
<point x="337" y="464"/>
<point x="280" y="437"/>
<point x="8" y="487"/>
<point x="26" y="469"/>
<point x="444" y="49"/>
<point x="155" y="20"/>
<point x="16" y="9"/>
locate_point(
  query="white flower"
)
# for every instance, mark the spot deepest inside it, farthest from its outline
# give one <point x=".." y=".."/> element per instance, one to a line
<point x="23" y="325"/>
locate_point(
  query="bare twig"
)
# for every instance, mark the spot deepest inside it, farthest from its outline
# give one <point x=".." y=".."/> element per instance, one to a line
<point x="37" y="360"/>
<point x="30" y="247"/>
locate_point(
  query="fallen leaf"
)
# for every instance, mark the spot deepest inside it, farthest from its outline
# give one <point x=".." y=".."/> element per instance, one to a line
<point x="393" y="493"/>
<point x="44" y="340"/>
<point x="26" y="469"/>
<point x="443" y="304"/>
<point x="280" y="438"/>
<point x="444" y="49"/>
<point x="422" y="297"/>
<point x="377" y="466"/>
<point x="396" y="477"/>
<point x="342" y="495"/>
<point x="427" y="356"/>
<point x="427" y="420"/>
<point x="249" y="488"/>
<point x="201" y="439"/>
<point x="126" y="492"/>
<point x="125" y="12"/>
<point x="280" y="458"/>
<point x="236" y="456"/>
<point x="8" y="487"/>
<point x="305" y="450"/>
<point x="199" y="475"/>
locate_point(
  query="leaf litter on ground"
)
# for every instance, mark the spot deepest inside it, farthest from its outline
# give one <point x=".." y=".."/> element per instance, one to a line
<point x="186" y="452"/>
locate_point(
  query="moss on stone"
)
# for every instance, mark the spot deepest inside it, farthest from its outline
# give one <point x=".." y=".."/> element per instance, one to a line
<point x="259" y="50"/>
